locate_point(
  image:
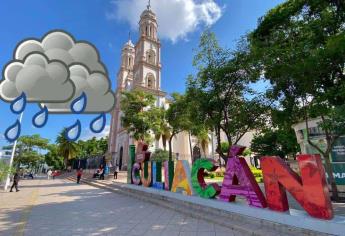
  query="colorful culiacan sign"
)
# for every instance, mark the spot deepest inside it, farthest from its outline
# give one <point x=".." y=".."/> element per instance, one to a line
<point x="309" y="189"/>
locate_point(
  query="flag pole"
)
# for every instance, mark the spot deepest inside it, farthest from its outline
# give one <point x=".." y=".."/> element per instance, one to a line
<point x="12" y="156"/>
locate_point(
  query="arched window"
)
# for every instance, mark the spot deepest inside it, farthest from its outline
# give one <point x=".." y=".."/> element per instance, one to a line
<point x="153" y="31"/>
<point x="151" y="57"/>
<point x="147" y="31"/>
<point x="150" y="81"/>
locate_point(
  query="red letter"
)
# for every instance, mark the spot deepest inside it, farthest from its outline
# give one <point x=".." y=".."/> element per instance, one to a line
<point x="310" y="190"/>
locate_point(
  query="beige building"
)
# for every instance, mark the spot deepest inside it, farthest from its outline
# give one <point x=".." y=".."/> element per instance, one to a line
<point x="141" y="69"/>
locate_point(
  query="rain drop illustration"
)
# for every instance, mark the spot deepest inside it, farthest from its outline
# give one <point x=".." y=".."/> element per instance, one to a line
<point x="73" y="132"/>
<point x="18" y="105"/>
<point x="12" y="133"/>
<point x="79" y="104"/>
<point x="40" y="119"/>
<point x="97" y="125"/>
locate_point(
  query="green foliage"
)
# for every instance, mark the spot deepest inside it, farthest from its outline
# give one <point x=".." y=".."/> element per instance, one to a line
<point x="300" y="47"/>
<point x="92" y="147"/>
<point x="225" y="102"/>
<point x="160" y="126"/>
<point x="247" y="152"/>
<point x="275" y="143"/>
<point x="53" y="157"/>
<point x="225" y="147"/>
<point x="138" y="117"/>
<point x="178" y="117"/>
<point x="257" y="174"/>
<point x="160" y="155"/>
<point x="66" y="148"/>
<point x="28" y="150"/>
<point x="5" y="170"/>
<point x="203" y="138"/>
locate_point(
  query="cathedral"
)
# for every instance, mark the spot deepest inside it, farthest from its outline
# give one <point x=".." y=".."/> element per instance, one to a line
<point x="141" y="70"/>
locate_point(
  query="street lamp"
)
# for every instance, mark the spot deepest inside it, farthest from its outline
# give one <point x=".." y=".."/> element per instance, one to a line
<point x="12" y="156"/>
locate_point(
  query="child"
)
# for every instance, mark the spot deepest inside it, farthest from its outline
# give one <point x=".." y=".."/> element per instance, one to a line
<point x="79" y="174"/>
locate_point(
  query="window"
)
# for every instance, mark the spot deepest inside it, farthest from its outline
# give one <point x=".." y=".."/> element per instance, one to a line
<point x="150" y="81"/>
<point x="151" y="57"/>
<point x="130" y="62"/>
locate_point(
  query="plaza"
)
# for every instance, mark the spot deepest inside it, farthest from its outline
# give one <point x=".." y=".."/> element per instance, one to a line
<point x="171" y="117"/>
<point x="61" y="207"/>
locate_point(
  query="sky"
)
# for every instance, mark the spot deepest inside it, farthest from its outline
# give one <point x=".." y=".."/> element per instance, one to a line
<point x="106" y="24"/>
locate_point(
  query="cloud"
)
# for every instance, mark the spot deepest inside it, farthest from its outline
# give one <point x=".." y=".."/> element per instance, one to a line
<point x="40" y="80"/>
<point x="59" y="45"/>
<point x="95" y="85"/>
<point x="55" y="71"/>
<point x="176" y="18"/>
<point x="89" y="135"/>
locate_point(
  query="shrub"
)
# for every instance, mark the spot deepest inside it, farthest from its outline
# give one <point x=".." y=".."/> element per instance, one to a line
<point x="257" y="174"/>
<point x="160" y="155"/>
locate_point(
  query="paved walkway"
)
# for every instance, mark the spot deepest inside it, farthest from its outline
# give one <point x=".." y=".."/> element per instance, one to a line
<point x="59" y="207"/>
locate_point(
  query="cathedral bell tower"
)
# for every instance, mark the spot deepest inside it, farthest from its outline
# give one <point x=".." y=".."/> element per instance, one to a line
<point x="125" y="74"/>
<point x="140" y="69"/>
<point x="147" y="70"/>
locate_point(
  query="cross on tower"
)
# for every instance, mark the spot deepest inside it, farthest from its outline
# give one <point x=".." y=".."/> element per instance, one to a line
<point x="149" y="5"/>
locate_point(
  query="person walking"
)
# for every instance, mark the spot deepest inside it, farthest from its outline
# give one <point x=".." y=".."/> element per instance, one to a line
<point x="116" y="171"/>
<point x="49" y="173"/>
<point x="79" y="174"/>
<point x="15" y="182"/>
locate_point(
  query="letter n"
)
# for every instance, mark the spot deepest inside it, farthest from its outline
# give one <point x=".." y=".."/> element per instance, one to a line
<point x="310" y="190"/>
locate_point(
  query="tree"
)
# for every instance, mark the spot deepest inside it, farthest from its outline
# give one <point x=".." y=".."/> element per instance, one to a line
<point x="203" y="138"/>
<point x="161" y="128"/>
<point x="300" y="47"/>
<point x="137" y="117"/>
<point x="160" y="155"/>
<point x="28" y="151"/>
<point x="66" y="148"/>
<point x="5" y="169"/>
<point x="92" y="147"/>
<point x="179" y="117"/>
<point x="225" y="102"/>
<point x="275" y="143"/>
<point x="53" y="157"/>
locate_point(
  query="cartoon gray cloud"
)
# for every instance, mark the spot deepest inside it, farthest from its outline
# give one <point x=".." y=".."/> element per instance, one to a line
<point x="95" y="85"/>
<point x="59" y="45"/>
<point x="41" y="79"/>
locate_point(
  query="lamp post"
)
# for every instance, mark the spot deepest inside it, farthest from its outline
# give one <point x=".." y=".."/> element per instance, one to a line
<point x="12" y="156"/>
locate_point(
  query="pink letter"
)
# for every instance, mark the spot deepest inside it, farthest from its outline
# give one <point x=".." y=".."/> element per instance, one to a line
<point x="239" y="180"/>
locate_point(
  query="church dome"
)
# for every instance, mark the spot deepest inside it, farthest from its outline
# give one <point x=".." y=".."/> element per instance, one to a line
<point x="129" y="44"/>
<point x="148" y="14"/>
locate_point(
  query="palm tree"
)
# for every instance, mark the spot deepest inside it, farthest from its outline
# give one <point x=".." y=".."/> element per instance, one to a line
<point x="203" y="139"/>
<point x="161" y="127"/>
<point x="66" y="148"/>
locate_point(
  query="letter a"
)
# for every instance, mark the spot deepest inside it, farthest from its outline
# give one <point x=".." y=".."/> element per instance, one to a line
<point x="239" y="180"/>
<point x="182" y="178"/>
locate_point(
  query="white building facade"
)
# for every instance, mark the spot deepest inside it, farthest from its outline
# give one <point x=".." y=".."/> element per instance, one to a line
<point x="141" y="69"/>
